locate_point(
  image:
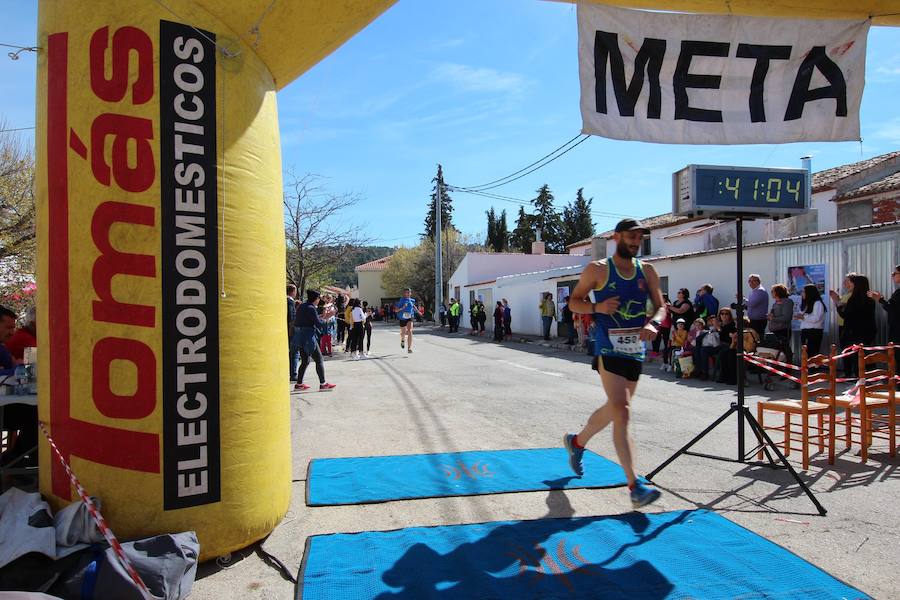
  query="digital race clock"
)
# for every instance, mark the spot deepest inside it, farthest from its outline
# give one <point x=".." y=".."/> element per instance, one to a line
<point x="711" y="190"/>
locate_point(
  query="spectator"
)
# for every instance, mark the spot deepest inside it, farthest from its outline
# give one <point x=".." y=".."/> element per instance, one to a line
<point x="676" y="346"/>
<point x="306" y="324"/>
<point x="583" y="322"/>
<point x="728" y="371"/>
<point x="812" y="319"/>
<point x="482" y="317"/>
<point x="498" y="322"/>
<point x="24" y="337"/>
<point x="707" y="347"/>
<point x="892" y="307"/>
<point x="507" y="320"/>
<point x="18" y="419"/>
<point x="705" y="304"/>
<point x="367" y="327"/>
<point x="859" y="319"/>
<point x="357" y="333"/>
<point x="548" y="313"/>
<point x="454" y="315"/>
<point x="442" y="313"/>
<point x="348" y="325"/>
<point x="839" y="299"/>
<point x="473" y="317"/>
<point x="727" y="333"/>
<point x="662" y="338"/>
<point x="569" y="320"/>
<point x="757" y="305"/>
<point x="694" y="332"/>
<point x="682" y="307"/>
<point x="781" y="314"/>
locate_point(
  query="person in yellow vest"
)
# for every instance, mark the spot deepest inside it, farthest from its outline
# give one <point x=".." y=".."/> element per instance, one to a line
<point x="454" y="315"/>
<point x="548" y="313"/>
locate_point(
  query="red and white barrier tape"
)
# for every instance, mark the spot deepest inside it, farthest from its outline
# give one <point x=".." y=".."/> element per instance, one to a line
<point x="771" y="369"/>
<point x="99" y="520"/>
<point x="771" y="361"/>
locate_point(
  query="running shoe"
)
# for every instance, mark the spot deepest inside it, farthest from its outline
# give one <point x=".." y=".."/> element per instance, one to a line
<point x="301" y="387"/>
<point x="403" y="343"/>
<point x="409" y="351"/>
<point x="642" y="495"/>
<point x="325" y="387"/>
<point x="575" y="454"/>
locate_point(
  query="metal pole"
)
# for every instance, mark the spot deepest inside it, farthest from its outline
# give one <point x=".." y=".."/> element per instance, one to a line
<point x="739" y="230"/>
<point x="438" y="254"/>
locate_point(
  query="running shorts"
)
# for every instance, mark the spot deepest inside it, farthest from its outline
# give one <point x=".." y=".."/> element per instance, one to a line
<point x="403" y="322"/>
<point x="628" y="368"/>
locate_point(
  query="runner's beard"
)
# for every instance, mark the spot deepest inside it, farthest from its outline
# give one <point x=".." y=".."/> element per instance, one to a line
<point x="624" y="251"/>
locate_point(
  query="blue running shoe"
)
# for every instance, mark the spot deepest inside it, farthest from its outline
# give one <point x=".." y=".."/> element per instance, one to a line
<point x="575" y="454"/>
<point x="642" y="495"/>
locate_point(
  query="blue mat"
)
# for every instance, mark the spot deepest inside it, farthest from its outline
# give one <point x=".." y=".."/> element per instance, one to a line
<point x="335" y="481"/>
<point x="684" y="554"/>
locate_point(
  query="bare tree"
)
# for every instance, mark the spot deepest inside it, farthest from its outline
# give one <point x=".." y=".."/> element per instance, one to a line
<point x="316" y="230"/>
<point x="17" y="224"/>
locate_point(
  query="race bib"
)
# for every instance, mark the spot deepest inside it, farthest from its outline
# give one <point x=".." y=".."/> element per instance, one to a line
<point x="406" y="316"/>
<point x="626" y="341"/>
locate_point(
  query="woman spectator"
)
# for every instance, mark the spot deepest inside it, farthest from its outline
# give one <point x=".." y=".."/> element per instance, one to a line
<point x="357" y="333"/>
<point x="367" y="327"/>
<point x="892" y="307"/>
<point x="781" y="314"/>
<point x="498" y="322"/>
<point x="682" y="307"/>
<point x="707" y="347"/>
<point x="859" y="320"/>
<point x="727" y="333"/>
<point x="507" y="320"/>
<point x="694" y="332"/>
<point x="812" y="319"/>
<point x="662" y="337"/>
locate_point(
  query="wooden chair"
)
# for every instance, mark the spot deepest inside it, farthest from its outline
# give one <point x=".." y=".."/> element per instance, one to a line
<point x="817" y="393"/>
<point x="875" y="402"/>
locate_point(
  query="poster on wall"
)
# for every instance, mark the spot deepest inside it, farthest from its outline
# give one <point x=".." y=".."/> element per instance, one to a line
<point x="562" y="292"/>
<point x="801" y="276"/>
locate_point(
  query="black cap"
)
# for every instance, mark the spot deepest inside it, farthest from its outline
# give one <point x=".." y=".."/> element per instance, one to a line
<point x="630" y="225"/>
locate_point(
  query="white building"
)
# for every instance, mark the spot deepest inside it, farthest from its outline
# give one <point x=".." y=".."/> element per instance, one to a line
<point x="369" y="284"/>
<point x="479" y="273"/>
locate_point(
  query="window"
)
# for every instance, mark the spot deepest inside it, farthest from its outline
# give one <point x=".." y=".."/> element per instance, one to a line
<point x="645" y="248"/>
<point x="664" y="284"/>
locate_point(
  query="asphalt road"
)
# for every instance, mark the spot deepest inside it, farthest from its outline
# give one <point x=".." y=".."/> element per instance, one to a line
<point x="458" y="393"/>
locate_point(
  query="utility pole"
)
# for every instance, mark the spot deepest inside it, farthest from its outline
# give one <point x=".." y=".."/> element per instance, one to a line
<point x="438" y="254"/>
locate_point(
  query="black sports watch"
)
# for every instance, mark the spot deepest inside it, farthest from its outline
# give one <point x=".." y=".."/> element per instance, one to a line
<point x="656" y="323"/>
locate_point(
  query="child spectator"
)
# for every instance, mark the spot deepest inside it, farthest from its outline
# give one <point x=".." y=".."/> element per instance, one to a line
<point x="679" y="338"/>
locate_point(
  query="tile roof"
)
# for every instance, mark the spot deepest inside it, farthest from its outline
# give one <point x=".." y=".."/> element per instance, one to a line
<point x="379" y="264"/>
<point x="888" y="184"/>
<point x="827" y="178"/>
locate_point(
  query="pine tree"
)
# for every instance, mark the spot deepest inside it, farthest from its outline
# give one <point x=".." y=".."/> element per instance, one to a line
<point x="577" y="223"/>
<point x="502" y="232"/>
<point x="446" y="207"/>
<point x="491" y="240"/>
<point x="548" y="220"/>
<point x="522" y="236"/>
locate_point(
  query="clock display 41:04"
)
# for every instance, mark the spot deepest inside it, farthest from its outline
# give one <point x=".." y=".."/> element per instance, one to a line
<point x="760" y="189"/>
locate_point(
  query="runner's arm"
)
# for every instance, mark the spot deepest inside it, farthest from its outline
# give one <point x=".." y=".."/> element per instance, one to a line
<point x="650" y="330"/>
<point x="580" y="300"/>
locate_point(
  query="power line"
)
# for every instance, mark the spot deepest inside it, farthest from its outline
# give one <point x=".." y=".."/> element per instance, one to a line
<point x="16" y="129"/>
<point x="603" y="214"/>
<point x="483" y="185"/>
<point x="532" y="170"/>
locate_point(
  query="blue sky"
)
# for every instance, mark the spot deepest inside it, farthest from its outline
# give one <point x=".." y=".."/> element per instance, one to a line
<point x="483" y="87"/>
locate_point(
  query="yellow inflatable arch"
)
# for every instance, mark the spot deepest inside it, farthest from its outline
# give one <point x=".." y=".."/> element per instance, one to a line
<point x="161" y="248"/>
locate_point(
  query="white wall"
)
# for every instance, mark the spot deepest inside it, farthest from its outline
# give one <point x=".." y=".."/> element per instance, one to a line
<point x="524" y="300"/>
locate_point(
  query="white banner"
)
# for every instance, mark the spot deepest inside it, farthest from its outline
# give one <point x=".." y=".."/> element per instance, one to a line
<point x="706" y="79"/>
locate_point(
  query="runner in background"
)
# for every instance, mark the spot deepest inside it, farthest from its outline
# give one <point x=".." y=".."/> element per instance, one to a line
<point x="405" y="309"/>
<point x="615" y="290"/>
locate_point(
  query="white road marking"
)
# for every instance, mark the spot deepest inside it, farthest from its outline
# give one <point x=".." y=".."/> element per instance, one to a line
<point x="526" y="368"/>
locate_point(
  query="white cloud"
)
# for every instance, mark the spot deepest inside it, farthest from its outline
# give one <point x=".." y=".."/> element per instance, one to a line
<point x="479" y="79"/>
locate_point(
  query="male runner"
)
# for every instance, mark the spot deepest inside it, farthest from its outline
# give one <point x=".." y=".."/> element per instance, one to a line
<point x="615" y="291"/>
<point x="405" y="309"/>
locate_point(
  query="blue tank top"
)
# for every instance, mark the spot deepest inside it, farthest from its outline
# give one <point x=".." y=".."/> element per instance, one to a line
<point x="405" y="308"/>
<point x="617" y="334"/>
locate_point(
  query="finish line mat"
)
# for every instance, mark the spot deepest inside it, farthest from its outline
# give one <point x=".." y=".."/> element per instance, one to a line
<point x="334" y="481"/>
<point x="683" y="554"/>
